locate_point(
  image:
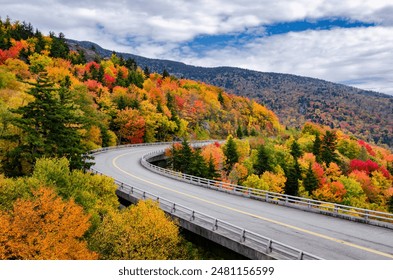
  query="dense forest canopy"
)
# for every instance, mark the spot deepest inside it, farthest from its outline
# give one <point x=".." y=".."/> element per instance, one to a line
<point x="295" y="99"/>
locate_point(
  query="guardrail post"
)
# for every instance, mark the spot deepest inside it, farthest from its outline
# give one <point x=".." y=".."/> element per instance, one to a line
<point x="243" y="237"/>
<point x="300" y="256"/>
<point x="215" y="226"/>
<point x="366" y="216"/>
<point x="121" y="185"/>
<point x="193" y="216"/>
<point x="267" y="197"/>
<point x="269" y="246"/>
<point x="144" y="195"/>
<point x="173" y="210"/>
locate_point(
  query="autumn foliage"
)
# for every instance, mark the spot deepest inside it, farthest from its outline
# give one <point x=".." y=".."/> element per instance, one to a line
<point x="13" y="51"/>
<point x="366" y="166"/>
<point x="338" y="169"/>
<point x="141" y="232"/>
<point x="44" y="228"/>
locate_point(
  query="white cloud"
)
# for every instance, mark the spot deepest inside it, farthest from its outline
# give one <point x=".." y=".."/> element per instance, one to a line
<point x="159" y="29"/>
<point x="177" y="21"/>
<point x="340" y="55"/>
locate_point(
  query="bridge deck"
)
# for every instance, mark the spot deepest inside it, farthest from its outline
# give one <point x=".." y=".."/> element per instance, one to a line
<point x="323" y="236"/>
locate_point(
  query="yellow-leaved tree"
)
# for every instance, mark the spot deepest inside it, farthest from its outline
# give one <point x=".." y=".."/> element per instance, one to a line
<point x="141" y="231"/>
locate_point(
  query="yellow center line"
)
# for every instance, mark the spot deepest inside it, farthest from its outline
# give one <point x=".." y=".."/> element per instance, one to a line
<point x="254" y="215"/>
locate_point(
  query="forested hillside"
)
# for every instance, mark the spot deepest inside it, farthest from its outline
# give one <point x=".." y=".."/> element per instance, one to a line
<point x="55" y="103"/>
<point x="54" y="107"/>
<point x="296" y="100"/>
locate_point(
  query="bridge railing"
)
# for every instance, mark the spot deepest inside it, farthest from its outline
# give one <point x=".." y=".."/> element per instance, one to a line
<point x="260" y="243"/>
<point x="194" y="143"/>
<point x="372" y="217"/>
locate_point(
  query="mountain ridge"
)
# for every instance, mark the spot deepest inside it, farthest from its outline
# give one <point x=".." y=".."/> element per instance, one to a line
<point x="295" y="99"/>
<point x="162" y="63"/>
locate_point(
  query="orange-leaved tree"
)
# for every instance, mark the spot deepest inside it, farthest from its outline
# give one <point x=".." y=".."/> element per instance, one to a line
<point x="44" y="228"/>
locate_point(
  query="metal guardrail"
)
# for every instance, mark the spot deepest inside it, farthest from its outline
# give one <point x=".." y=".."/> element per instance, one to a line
<point x="377" y="218"/>
<point x="263" y="244"/>
<point x="194" y="143"/>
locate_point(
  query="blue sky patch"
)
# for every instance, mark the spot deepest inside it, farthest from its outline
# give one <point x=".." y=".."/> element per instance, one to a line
<point x="325" y="24"/>
<point x="208" y="42"/>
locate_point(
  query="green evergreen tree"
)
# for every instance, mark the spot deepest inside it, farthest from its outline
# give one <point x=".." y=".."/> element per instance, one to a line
<point x="245" y="132"/>
<point x="295" y="150"/>
<point x="231" y="154"/>
<point x="121" y="103"/>
<point x="293" y="174"/>
<point x="170" y="103"/>
<point x="131" y="64"/>
<point x="198" y="166"/>
<point x="159" y="107"/>
<point x="59" y="47"/>
<point x="390" y="204"/>
<point x="40" y="44"/>
<point x="81" y="58"/>
<point x="263" y="160"/>
<point x="122" y="62"/>
<point x="136" y="78"/>
<point x="174" y="160"/>
<point x="165" y="74"/>
<point x="328" y="148"/>
<point x="135" y="104"/>
<point x="211" y="169"/>
<point x="93" y="72"/>
<point x="146" y="71"/>
<point x="104" y="136"/>
<point x="120" y="81"/>
<point x="185" y="157"/>
<point x="310" y="182"/>
<point x="253" y="132"/>
<point x="316" y="149"/>
<point x="100" y="74"/>
<point x="220" y="98"/>
<point x="239" y="131"/>
<point x="49" y="128"/>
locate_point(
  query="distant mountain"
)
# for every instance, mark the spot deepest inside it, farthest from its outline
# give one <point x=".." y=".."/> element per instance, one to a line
<point x="295" y="99"/>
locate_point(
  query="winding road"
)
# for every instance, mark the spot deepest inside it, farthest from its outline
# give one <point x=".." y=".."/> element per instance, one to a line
<point x="324" y="236"/>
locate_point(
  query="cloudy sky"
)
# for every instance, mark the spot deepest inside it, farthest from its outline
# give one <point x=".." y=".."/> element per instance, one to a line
<point x="345" y="41"/>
